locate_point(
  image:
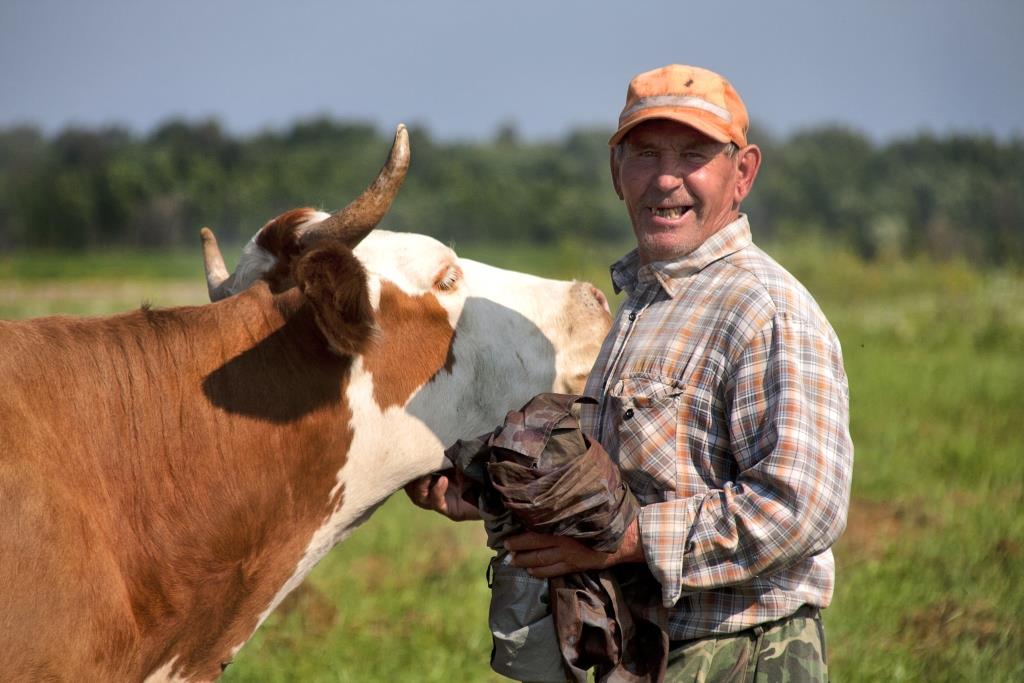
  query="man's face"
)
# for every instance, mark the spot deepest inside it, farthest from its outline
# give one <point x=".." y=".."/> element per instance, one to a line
<point x="679" y="186"/>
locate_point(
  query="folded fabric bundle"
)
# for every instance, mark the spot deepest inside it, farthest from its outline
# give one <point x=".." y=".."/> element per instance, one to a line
<point x="538" y="471"/>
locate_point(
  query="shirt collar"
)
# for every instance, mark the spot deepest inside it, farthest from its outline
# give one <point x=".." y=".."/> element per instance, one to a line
<point x="628" y="274"/>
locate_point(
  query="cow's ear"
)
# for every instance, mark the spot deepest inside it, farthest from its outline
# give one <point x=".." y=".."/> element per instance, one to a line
<point x="334" y="281"/>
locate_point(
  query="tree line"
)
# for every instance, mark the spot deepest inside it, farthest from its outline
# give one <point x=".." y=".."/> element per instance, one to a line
<point x="945" y="197"/>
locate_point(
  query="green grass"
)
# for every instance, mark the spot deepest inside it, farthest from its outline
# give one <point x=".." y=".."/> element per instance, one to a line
<point x="47" y="283"/>
<point x="930" y="568"/>
<point x="404" y="599"/>
<point x="930" y="580"/>
<point x="117" y="264"/>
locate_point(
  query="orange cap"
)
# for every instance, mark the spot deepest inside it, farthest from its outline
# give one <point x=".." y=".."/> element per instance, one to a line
<point x="690" y="95"/>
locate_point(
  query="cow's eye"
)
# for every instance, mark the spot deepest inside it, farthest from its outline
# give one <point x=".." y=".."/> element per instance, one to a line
<point x="448" y="278"/>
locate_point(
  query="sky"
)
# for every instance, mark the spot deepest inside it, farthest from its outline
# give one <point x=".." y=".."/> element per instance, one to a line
<point x="463" y="69"/>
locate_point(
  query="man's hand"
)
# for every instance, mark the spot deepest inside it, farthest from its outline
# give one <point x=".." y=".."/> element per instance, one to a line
<point x="545" y="556"/>
<point x="442" y="493"/>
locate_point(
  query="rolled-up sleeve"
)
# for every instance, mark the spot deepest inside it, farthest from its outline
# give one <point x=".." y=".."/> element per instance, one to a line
<point x="785" y="404"/>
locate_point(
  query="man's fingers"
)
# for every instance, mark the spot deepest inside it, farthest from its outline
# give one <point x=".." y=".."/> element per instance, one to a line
<point x="428" y="492"/>
<point x="542" y="557"/>
<point x="438" y="487"/>
<point x="418" y="491"/>
<point x="551" y="570"/>
<point x="546" y="556"/>
<point x="442" y="493"/>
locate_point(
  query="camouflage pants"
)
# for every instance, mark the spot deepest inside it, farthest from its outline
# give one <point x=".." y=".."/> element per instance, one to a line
<point x="791" y="650"/>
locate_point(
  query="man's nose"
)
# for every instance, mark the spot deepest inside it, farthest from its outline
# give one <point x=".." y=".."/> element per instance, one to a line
<point x="670" y="175"/>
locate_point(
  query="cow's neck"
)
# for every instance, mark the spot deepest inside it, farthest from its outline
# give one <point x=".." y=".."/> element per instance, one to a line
<point x="232" y="510"/>
<point x="311" y="471"/>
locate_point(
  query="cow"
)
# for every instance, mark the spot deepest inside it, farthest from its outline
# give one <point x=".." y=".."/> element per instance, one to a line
<point x="167" y="476"/>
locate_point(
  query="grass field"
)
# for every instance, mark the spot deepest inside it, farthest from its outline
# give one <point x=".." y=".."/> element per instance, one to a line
<point x="930" y="570"/>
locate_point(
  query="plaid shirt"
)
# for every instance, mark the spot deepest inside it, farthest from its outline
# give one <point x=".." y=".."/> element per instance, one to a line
<point x="724" y="400"/>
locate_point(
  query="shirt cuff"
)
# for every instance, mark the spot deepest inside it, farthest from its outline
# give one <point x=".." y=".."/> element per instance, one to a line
<point x="664" y="528"/>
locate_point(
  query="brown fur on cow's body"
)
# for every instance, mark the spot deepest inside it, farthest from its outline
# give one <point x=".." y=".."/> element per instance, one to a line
<point x="137" y="418"/>
<point x="166" y="476"/>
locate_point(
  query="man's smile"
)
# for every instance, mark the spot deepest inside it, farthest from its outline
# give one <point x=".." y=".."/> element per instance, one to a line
<point x="669" y="212"/>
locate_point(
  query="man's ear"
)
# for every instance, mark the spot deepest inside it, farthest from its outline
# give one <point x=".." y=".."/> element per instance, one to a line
<point x="748" y="161"/>
<point x="334" y="282"/>
<point x="614" y="162"/>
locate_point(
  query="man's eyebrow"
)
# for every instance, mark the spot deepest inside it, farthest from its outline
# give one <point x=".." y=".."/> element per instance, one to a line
<point x="643" y="144"/>
<point x="702" y="146"/>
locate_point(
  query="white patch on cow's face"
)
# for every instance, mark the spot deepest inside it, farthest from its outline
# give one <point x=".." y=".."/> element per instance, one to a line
<point x="412" y="262"/>
<point x="573" y="317"/>
<point x="516" y="336"/>
<point x="539" y="314"/>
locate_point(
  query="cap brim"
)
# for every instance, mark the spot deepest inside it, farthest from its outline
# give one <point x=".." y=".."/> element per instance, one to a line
<point x="702" y="121"/>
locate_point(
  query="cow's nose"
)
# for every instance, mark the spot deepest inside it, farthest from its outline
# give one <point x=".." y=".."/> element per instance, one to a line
<point x="590" y="298"/>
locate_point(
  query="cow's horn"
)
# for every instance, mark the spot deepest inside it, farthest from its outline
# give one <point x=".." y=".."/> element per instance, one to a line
<point x="218" y="283"/>
<point x="356" y="220"/>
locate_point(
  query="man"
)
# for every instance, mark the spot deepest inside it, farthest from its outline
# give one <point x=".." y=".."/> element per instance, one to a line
<point x="723" y="399"/>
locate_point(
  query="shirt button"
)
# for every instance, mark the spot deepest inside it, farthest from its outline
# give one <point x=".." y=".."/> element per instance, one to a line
<point x="632" y="316"/>
<point x="628" y="415"/>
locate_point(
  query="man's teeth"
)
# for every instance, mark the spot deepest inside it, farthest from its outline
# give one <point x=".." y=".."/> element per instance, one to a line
<point x="671" y="212"/>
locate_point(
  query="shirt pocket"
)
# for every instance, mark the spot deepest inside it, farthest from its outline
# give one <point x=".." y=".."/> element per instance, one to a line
<point x="645" y="423"/>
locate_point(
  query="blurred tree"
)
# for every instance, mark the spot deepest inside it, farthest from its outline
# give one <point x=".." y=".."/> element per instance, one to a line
<point x="22" y="149"/>
<point x="953" y="197"/>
